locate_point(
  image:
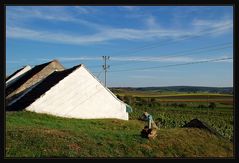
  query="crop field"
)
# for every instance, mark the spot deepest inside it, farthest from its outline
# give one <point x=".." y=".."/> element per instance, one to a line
<point x="172" y="110"/>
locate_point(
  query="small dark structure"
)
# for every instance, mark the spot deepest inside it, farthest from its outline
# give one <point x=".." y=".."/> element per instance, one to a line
<point x="195" y="123"/>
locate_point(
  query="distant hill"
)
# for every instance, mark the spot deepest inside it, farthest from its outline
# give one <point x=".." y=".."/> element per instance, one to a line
<point x="223" y="90"/>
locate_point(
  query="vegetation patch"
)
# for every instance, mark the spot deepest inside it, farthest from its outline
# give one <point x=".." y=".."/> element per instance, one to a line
<point x="61" y="137"/>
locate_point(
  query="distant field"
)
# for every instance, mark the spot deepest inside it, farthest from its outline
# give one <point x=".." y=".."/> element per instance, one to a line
<point x="174" y="109"/>
<point x="176" y="95"/>
<point x="39" y="135"/>
<point x="179" y="97"/>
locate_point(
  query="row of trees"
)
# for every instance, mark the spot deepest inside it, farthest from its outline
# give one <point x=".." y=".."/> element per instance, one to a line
<point x="153" y="102"/>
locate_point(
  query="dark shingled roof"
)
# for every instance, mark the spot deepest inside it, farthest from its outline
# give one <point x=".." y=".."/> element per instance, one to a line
<point x="9" y="77"/>
<point x="40" y="89"/>
<point x="29" y="74"/>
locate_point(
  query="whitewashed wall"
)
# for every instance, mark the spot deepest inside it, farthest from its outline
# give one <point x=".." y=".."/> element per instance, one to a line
<point x="17" y="75"/>
<point x="80" y="95"/>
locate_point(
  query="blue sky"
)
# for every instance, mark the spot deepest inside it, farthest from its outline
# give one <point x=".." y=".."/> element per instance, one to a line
<point x="140" y="40"/>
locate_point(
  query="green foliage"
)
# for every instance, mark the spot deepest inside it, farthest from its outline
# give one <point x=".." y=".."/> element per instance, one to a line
<point x="39" y="135"/>
<point x="220" y="120"/>
<point x="202" y="106"/>
<point x="212" y="105"/>
<point x="177" y="113"/>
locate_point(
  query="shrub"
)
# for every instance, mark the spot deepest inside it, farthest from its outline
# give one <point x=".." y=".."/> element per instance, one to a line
<point x="174" y="105"/>
<point x="182" y="105"/>
<point x="202" y="106"/>
<point x="212" y="105"/>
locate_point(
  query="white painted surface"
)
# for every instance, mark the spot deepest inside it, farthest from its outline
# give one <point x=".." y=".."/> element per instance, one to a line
<point x="80" y="95"/>
<point x="18" y="75"/>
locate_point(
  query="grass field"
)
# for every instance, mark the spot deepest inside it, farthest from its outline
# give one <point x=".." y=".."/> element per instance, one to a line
<point x="38" y="135"/>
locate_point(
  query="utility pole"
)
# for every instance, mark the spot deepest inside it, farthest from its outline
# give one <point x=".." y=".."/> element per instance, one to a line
<point x="105" y="66"/>
<point x="207" y="104"/>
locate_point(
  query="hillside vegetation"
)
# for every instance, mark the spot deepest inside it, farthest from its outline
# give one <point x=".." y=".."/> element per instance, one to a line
<point x="175" y="109"/>
<point x="38" y="135"/>
<point x="179" y="89"/>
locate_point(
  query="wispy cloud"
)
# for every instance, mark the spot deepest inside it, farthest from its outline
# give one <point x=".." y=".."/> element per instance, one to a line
<point x="84" y="10"/>
<point x="110" y="34"/>
<point x="167" y="59"/>
<point x="59" y="13"/>
<point x="103" y="33"/>
<point x="47" y="36"/>
<point x="141" y="59"/>
<point x="223" y="25"/>
<point x="151" y="22"/>
<point x="70" y="59"/>
<point x="153" y="59"/>
<point x="48" y="13"/>
<point x="130" y="8"/>
<point x="225" y="61"/>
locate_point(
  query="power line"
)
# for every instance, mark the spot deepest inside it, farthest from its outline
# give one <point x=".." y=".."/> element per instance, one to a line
<point x="173" y="65"/>
<point x="194" y="50"/>
<point x="182" y="54"/>
<point x="155" y="45"/>
<point x="201" y="49"/>
<point x="98" y="75"/>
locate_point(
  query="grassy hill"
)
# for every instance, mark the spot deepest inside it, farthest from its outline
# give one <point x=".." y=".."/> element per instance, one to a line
<point x="38" y="135"/>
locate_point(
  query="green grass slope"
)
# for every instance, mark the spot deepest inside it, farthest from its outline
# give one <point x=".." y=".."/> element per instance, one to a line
<point x="38" y="135"/>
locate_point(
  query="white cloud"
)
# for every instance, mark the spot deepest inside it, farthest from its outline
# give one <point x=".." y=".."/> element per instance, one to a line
<point x="220" y="26"/>
<point x="226" y="61"/>
<point x="70" y="59"/>
<point x="142" y="59"/>
<point x="103" y="33"/>
<point x="106" y="35"/>
<point x="59" y="13"/>
<point x="153" y="59"/>
<point x="46" y="36"/>
<point x="83" y="10"/>
<point x="43" y="12"/>
<point x="151" y="22"/>
<point x="130" y="8"/>
<point x="79" y="58"/>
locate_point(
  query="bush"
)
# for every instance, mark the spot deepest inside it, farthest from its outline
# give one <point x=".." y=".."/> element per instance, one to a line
<point x="129" y="100"/>
<point x="212" y="105"/>
<point x="182" y="105"/>
<point x="202" y="106"/>
<point x="174" y="105"/>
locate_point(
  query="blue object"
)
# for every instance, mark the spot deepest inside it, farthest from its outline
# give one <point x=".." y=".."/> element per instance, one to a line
<point x="129" y="108"/>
